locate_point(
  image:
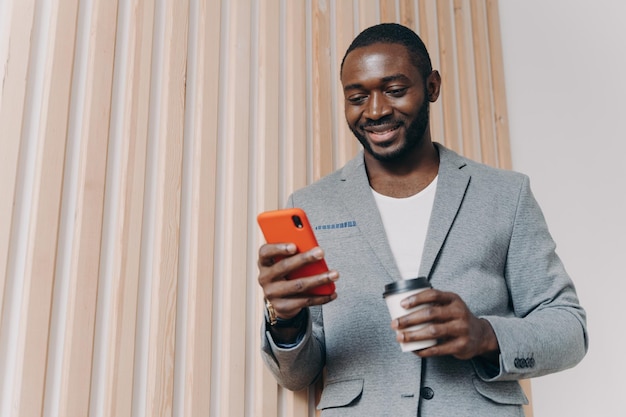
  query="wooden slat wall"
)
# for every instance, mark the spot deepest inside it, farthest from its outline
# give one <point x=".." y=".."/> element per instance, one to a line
<point x="138" y="141"/>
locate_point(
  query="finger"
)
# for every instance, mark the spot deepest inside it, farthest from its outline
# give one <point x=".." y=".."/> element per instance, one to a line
<point x="454" y="338"/>
<point x="425" y="332"/>
<point x="428" y="313"/>
<point x="286" y="308"/>
<point x="276" y="261"/>
<point x="452" y="347"/>
<point x="299" y="287"/>
<point x="305" y="284"/>
<point x="430" y="296"/>
<point x="299" y="260"/>
<point x="449" y="331"/>
<point x="282" y="267"/>
<point x="450" y="311"/>
<point x="269" y="252"/>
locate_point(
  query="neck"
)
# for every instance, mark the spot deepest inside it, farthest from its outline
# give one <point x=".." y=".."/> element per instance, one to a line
<point x="406" y="176"/>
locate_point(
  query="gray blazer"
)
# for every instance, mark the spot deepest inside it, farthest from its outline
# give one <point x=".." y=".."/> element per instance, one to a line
<point x="488" y="242"/>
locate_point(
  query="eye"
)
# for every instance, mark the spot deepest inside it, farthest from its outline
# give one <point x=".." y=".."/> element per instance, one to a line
<point x="396" y="91"/>
<point x="356" y="99"/>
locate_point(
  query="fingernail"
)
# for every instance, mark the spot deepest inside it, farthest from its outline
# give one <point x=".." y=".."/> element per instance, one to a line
<point x="333" y="275"/>
<point x="290" y="248"/>
<point x="318" y="253"/>
<point x="405" y="303"/>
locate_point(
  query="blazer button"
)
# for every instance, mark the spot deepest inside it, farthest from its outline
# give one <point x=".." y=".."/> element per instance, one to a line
<point x="427" y="393"/>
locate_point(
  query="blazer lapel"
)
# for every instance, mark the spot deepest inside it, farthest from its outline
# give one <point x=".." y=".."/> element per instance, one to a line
<point x="357" y="196"/>
<point x="452" y="184"/>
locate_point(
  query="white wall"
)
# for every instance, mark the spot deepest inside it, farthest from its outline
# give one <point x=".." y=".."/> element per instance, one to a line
<point x="565" y="68"/>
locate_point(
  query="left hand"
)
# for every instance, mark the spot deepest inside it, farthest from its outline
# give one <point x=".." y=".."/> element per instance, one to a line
<point x="459" y="332"/>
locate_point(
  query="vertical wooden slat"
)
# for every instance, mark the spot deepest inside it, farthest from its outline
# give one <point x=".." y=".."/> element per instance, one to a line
<point x="321" y="88"/>
<point x="526" y="386"/>
<point x="169" y="137"/>
<point x="483" y="84"/>
<point x="111" y="391"/>
<point x="83" y="276"/>
<point x="369" y="13"/>
<point x="270" y="105"/>
<point x="47" y="210"/>
<point x="232" y="210"/>
<point x="449" y="91"/>
<point x="498" y="88"/>
<point x="388" y="11"/>
<point x="198" y="367"/>
<point x="14" y="62"/>
<point x="16" y="85"/>
<point x="470" y="132"/>
<point x="135" y="129"/>
<point x="293" y="123"/>
<point x="407" y="14"/>
<point x="296" y="404"/>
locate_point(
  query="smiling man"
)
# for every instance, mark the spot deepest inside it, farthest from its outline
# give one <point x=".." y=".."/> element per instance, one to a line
<point x="502" y="307"/>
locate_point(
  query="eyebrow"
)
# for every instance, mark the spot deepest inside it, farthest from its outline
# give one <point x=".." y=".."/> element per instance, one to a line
<point x="386" y="79"/>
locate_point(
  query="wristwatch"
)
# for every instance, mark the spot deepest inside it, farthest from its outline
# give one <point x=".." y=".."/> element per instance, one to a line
<point x="276" y="322"/>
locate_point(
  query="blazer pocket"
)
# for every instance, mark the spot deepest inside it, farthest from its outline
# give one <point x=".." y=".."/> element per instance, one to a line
<point x="341" y="394"/>
<point x="337" y="236"/>
<point x="501" y="392"/>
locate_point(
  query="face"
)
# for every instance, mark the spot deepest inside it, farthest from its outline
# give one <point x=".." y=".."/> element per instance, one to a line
<point x="386" y="100"/>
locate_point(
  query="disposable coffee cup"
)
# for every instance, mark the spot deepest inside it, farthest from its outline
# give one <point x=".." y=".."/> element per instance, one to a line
<point x="398" y="291"/>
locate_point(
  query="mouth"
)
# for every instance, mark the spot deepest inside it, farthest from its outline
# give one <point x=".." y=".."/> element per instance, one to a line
<point x="381" y="133"/>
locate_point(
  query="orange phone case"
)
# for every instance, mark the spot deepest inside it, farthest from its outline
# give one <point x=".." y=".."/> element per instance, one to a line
<point x="292" y="226"/>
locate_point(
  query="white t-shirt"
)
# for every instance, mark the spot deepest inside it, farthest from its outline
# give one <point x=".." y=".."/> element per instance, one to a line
<point x="406" y="223"/>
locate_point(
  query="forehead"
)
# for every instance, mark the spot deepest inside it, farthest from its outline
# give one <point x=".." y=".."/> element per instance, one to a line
<point x="376" y="62"/>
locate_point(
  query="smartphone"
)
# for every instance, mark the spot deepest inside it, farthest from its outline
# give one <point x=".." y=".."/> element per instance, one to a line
<point x="292" y="226"/>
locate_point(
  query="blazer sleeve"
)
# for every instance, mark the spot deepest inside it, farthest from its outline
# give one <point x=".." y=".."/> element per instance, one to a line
<point x="547" y="332"/>
<point x="296" y="367"/>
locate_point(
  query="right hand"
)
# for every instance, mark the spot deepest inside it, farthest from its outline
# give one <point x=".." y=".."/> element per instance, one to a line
<point x="290" y="296"/>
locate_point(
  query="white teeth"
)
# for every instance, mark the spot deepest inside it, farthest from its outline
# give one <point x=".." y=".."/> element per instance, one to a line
<point x="384" y="132"/>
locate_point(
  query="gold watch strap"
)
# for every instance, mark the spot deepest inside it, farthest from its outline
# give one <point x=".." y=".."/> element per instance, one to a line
<point x="271" y="313"/>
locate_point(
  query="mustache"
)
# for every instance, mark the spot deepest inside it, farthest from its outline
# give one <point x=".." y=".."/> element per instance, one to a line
<point x="387" y="120"/>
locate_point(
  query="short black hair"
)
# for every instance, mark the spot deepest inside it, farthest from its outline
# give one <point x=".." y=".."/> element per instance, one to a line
<point x="396" y="34"/>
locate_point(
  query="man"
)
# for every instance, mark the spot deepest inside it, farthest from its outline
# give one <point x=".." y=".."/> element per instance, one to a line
<point x="503" y="307"/>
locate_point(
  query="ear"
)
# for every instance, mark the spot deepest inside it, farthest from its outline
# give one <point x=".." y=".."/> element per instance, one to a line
<point x="433" y="86"/>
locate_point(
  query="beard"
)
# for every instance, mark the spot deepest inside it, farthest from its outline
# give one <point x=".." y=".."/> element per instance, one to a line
<point x="414" y="134"/>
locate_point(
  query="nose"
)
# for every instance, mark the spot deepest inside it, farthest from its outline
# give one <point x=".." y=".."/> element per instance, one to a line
<point x="377" y="107"/>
